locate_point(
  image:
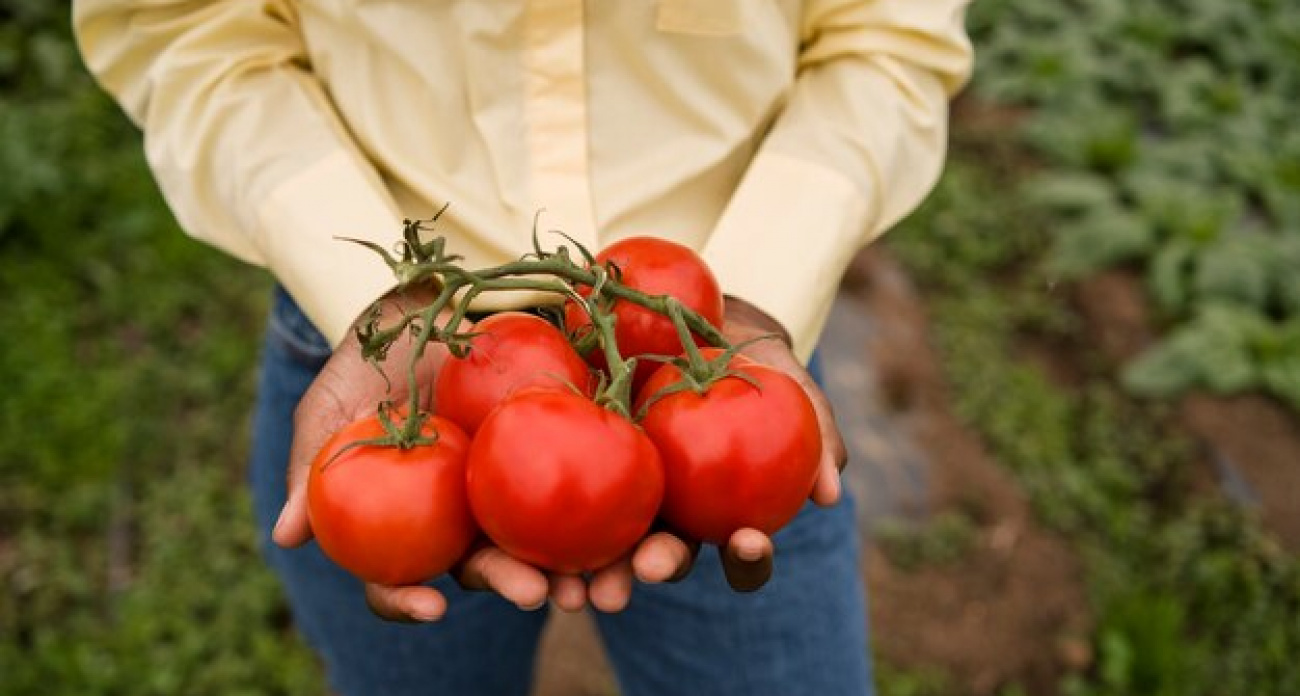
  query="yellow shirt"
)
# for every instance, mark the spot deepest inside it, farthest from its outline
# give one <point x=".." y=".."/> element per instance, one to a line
<point x="775" y="136"/>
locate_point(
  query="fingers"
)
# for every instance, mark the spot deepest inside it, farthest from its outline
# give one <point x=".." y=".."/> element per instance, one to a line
<point x="747" y="560"/>
<point x="611" y="586"/>
<point x="568" y="592"/>
<point x="490" y="568"/>
<point x="346" y="388"/>
<point x="663" y="557"/>
<point x="414" y="603"/>
<point x="826" y="490"/>
<point x="742" y="325"/>
<point x="313" y="426"/>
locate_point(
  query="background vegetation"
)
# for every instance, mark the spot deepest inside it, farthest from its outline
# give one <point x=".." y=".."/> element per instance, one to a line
<point x="1157" y="138"/>
<point x="1153" y="136"/>
<point x="128" y="560"/>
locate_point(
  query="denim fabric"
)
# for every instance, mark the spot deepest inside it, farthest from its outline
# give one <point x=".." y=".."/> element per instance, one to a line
<point x="804" y="633"/>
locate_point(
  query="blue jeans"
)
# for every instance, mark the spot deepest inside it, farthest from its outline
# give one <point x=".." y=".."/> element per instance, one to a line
<point x="804" y="633"/>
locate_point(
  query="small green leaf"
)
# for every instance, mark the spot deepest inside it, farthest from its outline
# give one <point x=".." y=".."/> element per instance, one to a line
<point x="1233" y="270"/>
<point x="1070" y="192"/>
<point x="1102" y="238"/>
<point x="1168" y="275"/>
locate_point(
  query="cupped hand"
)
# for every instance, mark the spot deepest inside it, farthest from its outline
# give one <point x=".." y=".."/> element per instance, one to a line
<point x="747" y="558"/>
<point x="349" y="388"/>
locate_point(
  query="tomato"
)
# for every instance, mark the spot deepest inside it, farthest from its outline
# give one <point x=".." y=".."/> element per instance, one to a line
<point x="561" y="483"/>
<point x="389" y="515"/>
<point x="655" y="267"/>
<point x="512" y="350"/>
<point x="735" y="456"/>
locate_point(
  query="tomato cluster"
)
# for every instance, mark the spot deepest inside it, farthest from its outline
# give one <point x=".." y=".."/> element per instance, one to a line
<point x="530" y="449"/>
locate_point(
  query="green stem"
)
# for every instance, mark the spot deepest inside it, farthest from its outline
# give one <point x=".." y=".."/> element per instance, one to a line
<point x="554" y="273"/>
<point x="428" y="325"/>
<point x="698" y="365"/>
<point x="617" y="396"/>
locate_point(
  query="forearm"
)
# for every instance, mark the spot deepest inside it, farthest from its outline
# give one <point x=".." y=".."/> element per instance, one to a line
<point x="860" y="142"/>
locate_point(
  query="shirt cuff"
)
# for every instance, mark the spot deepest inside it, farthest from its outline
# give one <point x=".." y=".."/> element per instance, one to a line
<point x="785" y="240"/>
<point x="333" y="281"/>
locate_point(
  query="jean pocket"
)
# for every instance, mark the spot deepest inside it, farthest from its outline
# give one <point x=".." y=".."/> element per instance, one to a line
<point x="292" y="332"/>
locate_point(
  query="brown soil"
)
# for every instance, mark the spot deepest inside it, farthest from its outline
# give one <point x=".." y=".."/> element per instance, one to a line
<point x="1115" y="309"/>
<point x="1249" y="436"/>
<point x="1260" y="440"/>
<point x="1013" y="610"/>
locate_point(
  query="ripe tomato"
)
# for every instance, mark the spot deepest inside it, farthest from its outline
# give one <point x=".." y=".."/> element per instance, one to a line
<point x="388" y="515"/>
<point x="512" y="350"/>
<point x="655" y="267"/>
<point x="559" y="482"/>
<point x="735" y="456"/>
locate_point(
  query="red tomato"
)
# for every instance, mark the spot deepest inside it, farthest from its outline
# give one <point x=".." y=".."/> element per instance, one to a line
<point x="512" y="350"/>
<point x="559" y="482"/>
<point x="655" y="267"/>
<point x="737" y="455"/>
<point x="389" y="515"/>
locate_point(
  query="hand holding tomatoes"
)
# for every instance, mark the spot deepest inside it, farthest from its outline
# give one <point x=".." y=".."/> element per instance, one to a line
<point x="748" y="558"/>
<point x="561" y="481"/>
<point x="740" y="452"/>
<point x="347" y="389"/>
<point x="744" y="323"/>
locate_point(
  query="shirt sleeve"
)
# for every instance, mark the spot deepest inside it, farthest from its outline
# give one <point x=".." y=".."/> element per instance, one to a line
<point x="858" y="145"/>
<point x="244" y="142"/>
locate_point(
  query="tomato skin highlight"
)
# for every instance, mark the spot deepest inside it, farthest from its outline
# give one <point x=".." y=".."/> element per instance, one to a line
<point x="655" y="267"/>
<point x="513" y="350"/>
<point x="561" y="483"/>
<point x="736" y="456"/>
<point x="387" y="515"/>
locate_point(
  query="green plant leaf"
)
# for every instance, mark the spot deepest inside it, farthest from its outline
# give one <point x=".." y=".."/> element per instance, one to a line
<point x="1101" y="238"/>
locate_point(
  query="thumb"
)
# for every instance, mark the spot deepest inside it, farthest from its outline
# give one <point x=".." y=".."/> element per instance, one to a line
<point x="335" y="398"/>
<point x="311" y="430"/>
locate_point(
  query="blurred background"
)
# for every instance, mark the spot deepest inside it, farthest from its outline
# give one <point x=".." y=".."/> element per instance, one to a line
<point x="1071" y="381"/>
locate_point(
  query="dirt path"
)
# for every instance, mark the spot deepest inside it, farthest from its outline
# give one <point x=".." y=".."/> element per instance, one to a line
<point x="1013" y="609"/>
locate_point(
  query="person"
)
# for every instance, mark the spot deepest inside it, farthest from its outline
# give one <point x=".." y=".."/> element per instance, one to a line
<point x="777" y="137"/>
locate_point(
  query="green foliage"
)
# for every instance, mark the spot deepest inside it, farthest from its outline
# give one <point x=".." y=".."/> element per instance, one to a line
<point x="1225" y="348"/>
<point x="1162" y="140"/>
<point x="895" y="681"/>
<point x="1167" y="132"/>
<point x="943" y="540"/>
<point x="1190" y="597"/>
<point x="1142" y="648"/>
<point x="128" y="559"/>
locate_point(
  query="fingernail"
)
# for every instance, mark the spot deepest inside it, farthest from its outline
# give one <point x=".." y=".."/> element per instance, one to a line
<point x="279" y="520"/>
<point x="749" y="552"/>
<point x="425" y="609"/>
<point x="661" y="569"/>
<point x="534" y="607"/>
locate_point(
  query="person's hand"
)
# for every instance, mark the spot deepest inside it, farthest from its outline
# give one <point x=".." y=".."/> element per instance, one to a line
<point x="348" y="388"/>
<point x="747" y="558"/>
<point x="744" y="322"/>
